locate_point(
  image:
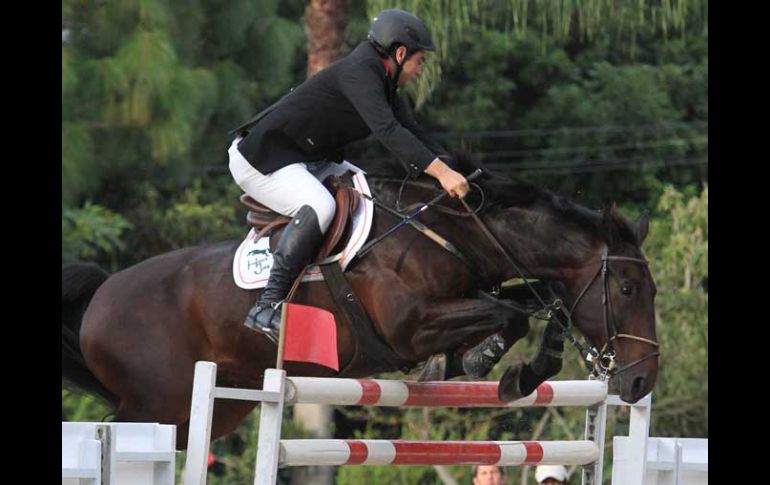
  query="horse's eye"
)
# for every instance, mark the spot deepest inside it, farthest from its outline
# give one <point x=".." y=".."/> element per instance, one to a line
<point x="626" y="290"/>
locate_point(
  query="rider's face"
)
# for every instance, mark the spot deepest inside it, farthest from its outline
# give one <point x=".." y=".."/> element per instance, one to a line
<point x="412" y="67"/>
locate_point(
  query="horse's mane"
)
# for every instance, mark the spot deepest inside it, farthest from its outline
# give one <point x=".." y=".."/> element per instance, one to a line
<point x="503" y="192"/>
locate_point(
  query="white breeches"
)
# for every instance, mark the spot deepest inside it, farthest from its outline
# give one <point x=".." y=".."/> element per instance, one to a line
<point x="286" y="190"/>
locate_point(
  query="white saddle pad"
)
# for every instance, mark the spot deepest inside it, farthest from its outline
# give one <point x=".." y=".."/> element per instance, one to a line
<point x="253" y="259"/>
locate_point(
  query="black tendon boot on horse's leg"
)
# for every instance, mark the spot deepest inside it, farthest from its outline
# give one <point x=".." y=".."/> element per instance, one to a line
<point x="295" y="249"/>
<point x="521" y="380"/>
<point x="478" y="361"/>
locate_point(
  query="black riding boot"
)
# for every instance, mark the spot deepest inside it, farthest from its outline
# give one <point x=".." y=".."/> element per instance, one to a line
<point x="295" y="249"/>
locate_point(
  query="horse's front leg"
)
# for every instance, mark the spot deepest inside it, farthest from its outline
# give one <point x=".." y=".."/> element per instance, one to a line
<point x="521" y="380"/>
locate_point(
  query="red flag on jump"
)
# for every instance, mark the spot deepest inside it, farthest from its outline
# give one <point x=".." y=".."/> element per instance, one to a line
<point x="311" y="336"/>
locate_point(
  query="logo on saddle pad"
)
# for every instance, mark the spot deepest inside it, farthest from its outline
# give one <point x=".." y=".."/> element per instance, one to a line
<point x="260" y="258"/>
<point x="253" y="259"/>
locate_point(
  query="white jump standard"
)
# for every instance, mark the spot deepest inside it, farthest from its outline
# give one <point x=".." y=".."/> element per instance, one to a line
<point x="278" y="389"/>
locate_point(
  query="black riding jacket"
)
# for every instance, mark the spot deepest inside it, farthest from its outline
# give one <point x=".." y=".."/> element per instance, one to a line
<point x="345" y="102"/>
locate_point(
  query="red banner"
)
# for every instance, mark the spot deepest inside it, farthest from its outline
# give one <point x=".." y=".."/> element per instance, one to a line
<point x="311" y="336"/>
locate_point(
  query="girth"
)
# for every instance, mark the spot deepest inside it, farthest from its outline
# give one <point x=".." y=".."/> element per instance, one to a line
<point x="370" y="350"/>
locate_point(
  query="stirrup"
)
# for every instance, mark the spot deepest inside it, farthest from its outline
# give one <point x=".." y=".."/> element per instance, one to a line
<point x="277" y="305"/>
<point x="270" y="333"/>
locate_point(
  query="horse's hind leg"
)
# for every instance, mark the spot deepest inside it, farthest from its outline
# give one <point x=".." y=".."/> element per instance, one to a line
<point x="150" y="389"/>
<point x="167" y="404"/>
<point x="228" y="414"/>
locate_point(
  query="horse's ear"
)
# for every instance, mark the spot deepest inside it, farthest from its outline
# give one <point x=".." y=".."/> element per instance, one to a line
<point x="641" y="226"/>
<point x="610" y="226"/>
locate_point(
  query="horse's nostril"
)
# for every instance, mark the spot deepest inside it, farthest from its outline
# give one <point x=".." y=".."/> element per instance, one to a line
<point x="638" y="386"/>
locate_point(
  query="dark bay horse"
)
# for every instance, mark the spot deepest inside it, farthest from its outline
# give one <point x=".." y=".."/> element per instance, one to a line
<point x="133" y="337"/>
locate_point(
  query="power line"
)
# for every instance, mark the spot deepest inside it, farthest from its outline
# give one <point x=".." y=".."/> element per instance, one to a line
<point x="573" y="129"/>
<point x="511" y="134"/>
<point x="627" y="164"/>
<point x="567" y="149"/>
<point x="508" y="156"/>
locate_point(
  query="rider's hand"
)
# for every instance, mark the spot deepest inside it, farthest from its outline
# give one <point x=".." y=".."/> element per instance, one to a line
<point x="452" y="181"/>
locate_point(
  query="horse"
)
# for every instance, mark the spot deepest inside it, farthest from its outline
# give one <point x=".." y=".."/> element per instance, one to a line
<point x="133" y="337"/>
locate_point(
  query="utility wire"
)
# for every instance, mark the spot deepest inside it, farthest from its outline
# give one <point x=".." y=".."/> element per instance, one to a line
<point x="567" y="149"/>
<point x="595" y="167"/>
<point x="673" y="125"/>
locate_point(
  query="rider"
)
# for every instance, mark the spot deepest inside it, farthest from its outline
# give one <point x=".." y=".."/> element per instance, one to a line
<point x="345" y="102"/>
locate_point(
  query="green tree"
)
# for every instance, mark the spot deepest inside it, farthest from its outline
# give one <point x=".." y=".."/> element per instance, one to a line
<point x="76" y="406"/>
<point x="645" y="134"/>
<point x="155" y="85"/>
<point x="149" y="91"/>
<point x="561" y="21"/>
<point x="92" y="233"/>
<point x="678" y="252"/>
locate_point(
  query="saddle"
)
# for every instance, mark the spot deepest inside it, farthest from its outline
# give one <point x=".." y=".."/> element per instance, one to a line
<point x="264" y="219"/>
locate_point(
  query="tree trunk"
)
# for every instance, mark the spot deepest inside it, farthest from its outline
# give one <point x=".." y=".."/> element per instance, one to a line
<point x="326" y="23"/>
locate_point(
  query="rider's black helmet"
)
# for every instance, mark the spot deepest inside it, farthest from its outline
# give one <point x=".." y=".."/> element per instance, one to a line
<point x="395" y="26"/>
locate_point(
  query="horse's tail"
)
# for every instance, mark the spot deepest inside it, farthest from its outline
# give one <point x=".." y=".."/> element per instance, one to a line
<point x="79" y="282"/>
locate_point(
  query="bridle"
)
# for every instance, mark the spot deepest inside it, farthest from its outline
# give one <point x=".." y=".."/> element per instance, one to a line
<point x="603" y="361"/>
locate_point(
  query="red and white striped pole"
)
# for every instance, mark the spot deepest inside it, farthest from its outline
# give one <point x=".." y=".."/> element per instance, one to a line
<point x="375" y="392"/>
<point x="401" y="452"/>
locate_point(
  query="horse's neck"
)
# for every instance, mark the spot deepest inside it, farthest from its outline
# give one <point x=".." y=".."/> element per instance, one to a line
<point x="543" y="247"/>
<point x="547" y="248"/>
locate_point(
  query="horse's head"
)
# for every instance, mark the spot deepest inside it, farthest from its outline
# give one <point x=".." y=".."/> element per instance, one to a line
<point x="612" y="296"/>
<point x="599" y="260"/>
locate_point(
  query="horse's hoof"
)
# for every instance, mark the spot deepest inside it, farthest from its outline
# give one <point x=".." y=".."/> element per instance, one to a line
<point x="435" y="368"/>
<point x="509" y="388"/>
